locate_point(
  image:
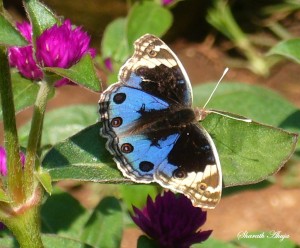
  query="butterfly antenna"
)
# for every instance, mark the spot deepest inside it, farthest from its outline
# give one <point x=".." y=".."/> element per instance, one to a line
<point x="204" y="112"/>
<point x="223" y="75"/>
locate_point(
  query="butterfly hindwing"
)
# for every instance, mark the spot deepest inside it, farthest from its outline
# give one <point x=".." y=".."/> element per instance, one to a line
<point x="195" y="167"/>
<point x="153" y="132"/>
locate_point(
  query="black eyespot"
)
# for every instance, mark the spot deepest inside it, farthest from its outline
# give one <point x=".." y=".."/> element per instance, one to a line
<point x="179" y="173"/>
<point x="116" y="122"/>
<point x="127" y="148"/>
<point x="119" y="98"/>
<point x="146" y="166"/>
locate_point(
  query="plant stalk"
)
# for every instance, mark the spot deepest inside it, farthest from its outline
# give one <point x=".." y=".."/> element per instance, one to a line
<point x="35" y="135"/>
<point x="15" y="177"/>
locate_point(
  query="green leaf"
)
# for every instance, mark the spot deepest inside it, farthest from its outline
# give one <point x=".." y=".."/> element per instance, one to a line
<point x="105" y="226"/>
<point x="40" y="15"/>
<point x="83" y="157"/>
<point x="53" y="241"/>
<point x="82" y="73"/>
<point x="45" y="179"/>
<point x="25" y="92"/>
<point x="63" y="215"/>
<point x="114" y="43"/>
<point x="249" y="152"/>
<point x="49" y="241"/>
<point x="147" y="17"/>
<point x="145" y="242"/>
<point x="255" y="102"/>
<point x="288" y="48"/>
<point x="136" y="195"/>
<point x="9" y="36"/>
<point x="61" y="123"/>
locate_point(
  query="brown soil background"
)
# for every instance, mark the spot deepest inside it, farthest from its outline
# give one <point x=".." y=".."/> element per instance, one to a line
<point x="269" y="208"/>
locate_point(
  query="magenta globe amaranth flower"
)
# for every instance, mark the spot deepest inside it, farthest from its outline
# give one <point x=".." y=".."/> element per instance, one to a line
<point x="22" y="57"/>
<point x="62" y="46"/>
<point x="172" y="221"/>
<point x="58" y="46"/>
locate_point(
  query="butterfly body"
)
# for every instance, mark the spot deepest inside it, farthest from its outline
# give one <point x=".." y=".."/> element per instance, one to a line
<point x="152" y="129"/>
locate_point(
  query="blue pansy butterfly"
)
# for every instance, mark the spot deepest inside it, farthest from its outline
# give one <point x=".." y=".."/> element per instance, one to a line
<point x="152" y="130"/>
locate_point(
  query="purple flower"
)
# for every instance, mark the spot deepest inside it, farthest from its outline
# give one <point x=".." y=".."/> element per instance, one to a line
<point x="22" y="57"/>
<point x="3" y="159"/>
<point x="59" y="46"/>
<point x="62" y="46"/>
<point x="26" y="30"/>
<point x="172" y="221"/>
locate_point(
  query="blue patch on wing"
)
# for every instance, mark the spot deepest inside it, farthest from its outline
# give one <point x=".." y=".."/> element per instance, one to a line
<point x="129" y="109"/>
<point x="143" y="150"/>
<point x="134" y="81"/>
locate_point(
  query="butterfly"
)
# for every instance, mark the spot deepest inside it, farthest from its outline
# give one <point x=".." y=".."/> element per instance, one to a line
<point x="152" y="130"/>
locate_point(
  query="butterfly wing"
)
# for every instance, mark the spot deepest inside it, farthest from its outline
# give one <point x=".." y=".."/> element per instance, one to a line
<point x="155" y="69"/>
<point x="193" y="168"/>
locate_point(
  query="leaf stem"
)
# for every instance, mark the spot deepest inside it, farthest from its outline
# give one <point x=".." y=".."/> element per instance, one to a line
<point x="15" y="174"/>
<point x="35" y="135"/>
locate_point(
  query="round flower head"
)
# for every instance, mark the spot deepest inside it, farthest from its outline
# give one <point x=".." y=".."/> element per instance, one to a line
<point x="59" y="46"/>
<point x="22" y="57"/>
<point x="62" y="46"/>
<point x="172" y="221"/>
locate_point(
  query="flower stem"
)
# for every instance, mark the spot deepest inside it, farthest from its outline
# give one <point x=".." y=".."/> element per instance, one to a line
<point x="15" y="175"/>
<point x="35" y="135"/>
<point x="26" y="228"/>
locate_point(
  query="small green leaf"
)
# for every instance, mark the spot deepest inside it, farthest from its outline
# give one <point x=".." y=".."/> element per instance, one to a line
<point x="154" y="18"/>
<point x="61" y="123"/>
<point x="9" y="36"/>
<point x="288" y="48"/>
<point x="40" y="15"/>
<point x="63" y="215"/>
<point x="83" y="157"/>
<point x="45" y="179"/>
<point x="114" y="43"/>
<point x="25" y="92"/>
<point x="105" y="226"/>
<point x="4" y="197"/>
<point x="82" y="73"/>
